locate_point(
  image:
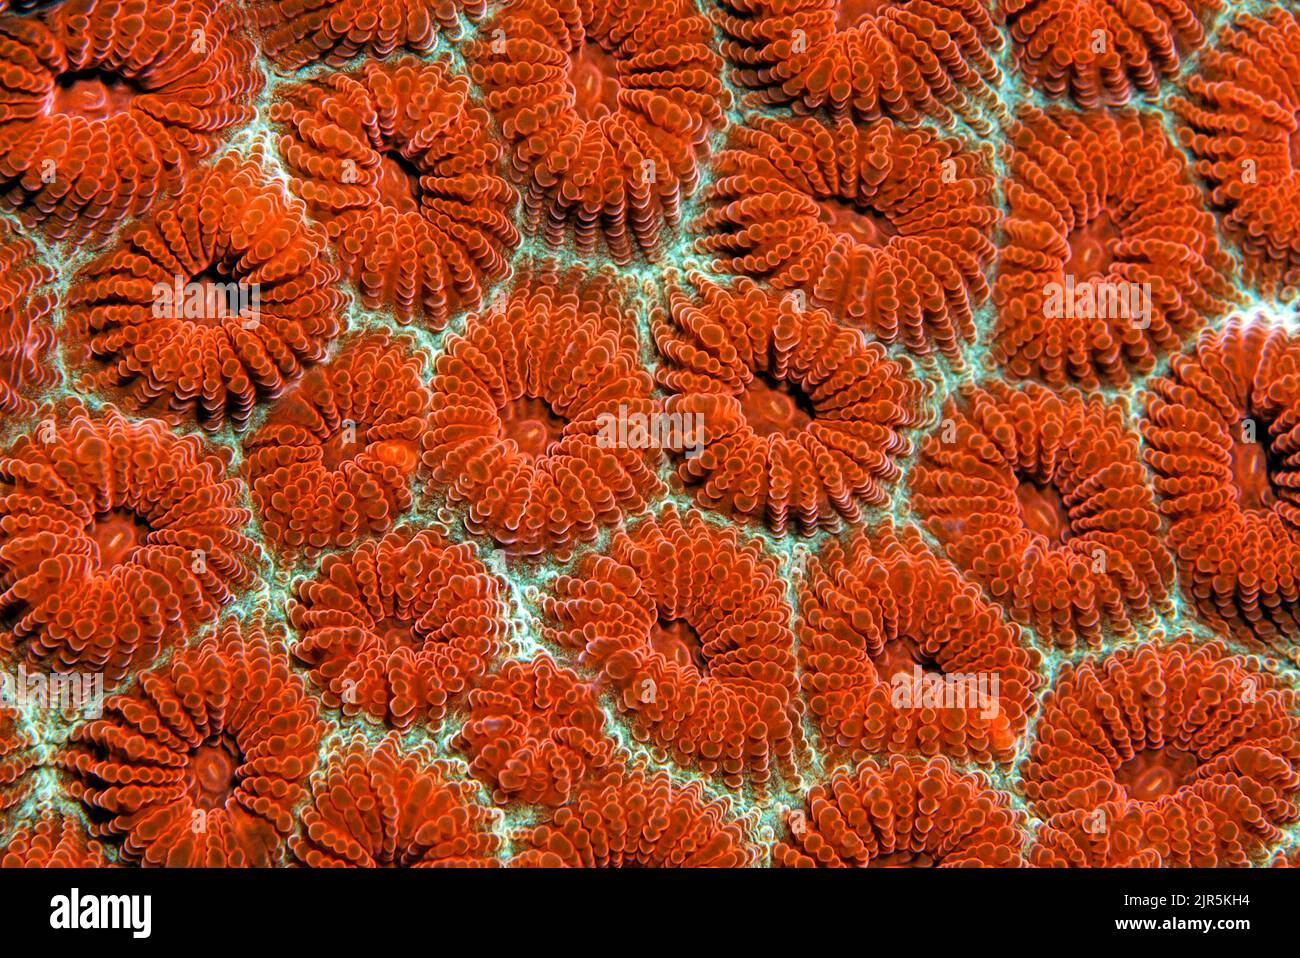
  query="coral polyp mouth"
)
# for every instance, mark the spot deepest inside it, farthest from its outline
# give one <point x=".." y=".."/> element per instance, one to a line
<point x="594" y="75"/>
<point x="117" y="534"/>
<point x="862" y="225"/>
<point x="678" y="641"/>
<point x="774" y="407"/>
<point x="1043" y="510"/>
<point x="1150" y="775"/>
<point x="92" y="95"/>
<point x="533" y="425"/>
<point x="1091" y="248"/>
<point x="213" y="773"/>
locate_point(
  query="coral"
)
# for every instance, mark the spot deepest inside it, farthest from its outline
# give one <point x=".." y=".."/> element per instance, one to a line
<point x="888" y="228"/>
<point x="535" y="733"/>
<point x="1241" y="121"/>
<point x="689" y="625"/>
<point x="117" y="538"/>
<point x="398" y="628"/>
<point x="401" y="168"/>
<point x="1042" y="498"/>
<point x="334" y="460"/>
<point x="220" y="299"/>
<point x="867" y="58"/>
<point x="202" y="762"/>
<point x="607" y="107"/>
<point x="393" y="806"/>
<point x="1222" y="440"/>
<point x="801" y="421"/>
<point x="53" y="840"/>
<point x="521" y="405"/>
<point x="20" y="752"/>
<point x="1175" y="754"/>
<point x="27" y="334"/>
<point x="105" y="103"/>
<point x="909" y="812"/>
<point x="1102" y="51"/>
<point x="638" y="818"/>
<point x="296" y="33"/>
<point x="1110" y="259"/>
<point x="898" y="653"/>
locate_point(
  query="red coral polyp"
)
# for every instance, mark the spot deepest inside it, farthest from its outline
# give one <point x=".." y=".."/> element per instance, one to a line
<point x="402" y="169"/>
<point x="796" y="421"/>
<point x="202" y="761"/>
<point x="607" y="107"/>
<point x="689" y="626"/>
<point x="907" y="813"/>
<point x="1111" y="260"/>
<point x="393" y="806"/>
<point x="117" y="537"/>
<point x="888" y="228"/>
<point x="399" y="628"/>
<point x="296" y="33"/>
<point x="1241" y="116"/>
<point x="639" y="819"/>
<point x="1174" y="755"/>
<point x="899" y="653"/>
<point x="1042" y="498"/>
<point x="53" y="840"/>
<point x="221" y="299"/>
<point x="535" y="733"/>
<point x="1100" y="52"/>
<point x="1222" y="439"/>
<point x="907" y="59"/>
<point x="105" y="103"/>
<point x="334" y="461"/>
<point x="522" y="408"/>
<point x="27" y="331"/>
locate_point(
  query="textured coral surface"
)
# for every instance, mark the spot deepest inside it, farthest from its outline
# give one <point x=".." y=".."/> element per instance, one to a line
<point x="649" y="433"/>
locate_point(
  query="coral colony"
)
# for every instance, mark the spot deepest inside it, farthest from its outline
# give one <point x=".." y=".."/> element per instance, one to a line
<point x="649" y="432"/>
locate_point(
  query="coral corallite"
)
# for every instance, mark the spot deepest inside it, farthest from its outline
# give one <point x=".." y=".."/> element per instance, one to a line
<point x="521" y="405"/>
<point x="27" y="336"/>
<point x="638" y="818"/>
<point x="1241" y="120"/>
<point x="219" y="300"/>
<point x="335" y="460"/>
<point x="296" y="33"/>
<point x="870" y="58"/>
<point x="402" y="170"/>
<point x="1110" y="259"/>
<point x="1100" y="52"/>
<point x="802" y="422"/>
<point x="105" y="103"/>
<point x="888" y="228"/>
<point x="1222" y="440"/>
<point x="202" y="762"/>
<point x="1173" y="754"/>
<point x="393" y="806"/>
<point x="907" y="813"/>
<point x="116" y="538"/>
<point x="899" y="653"/>
<point x="1042" y="498"/>
<point x="607" y="106"/>
<point x="398" y="628"/>
<point x="53" y="840"/>
<point x="688" y="624"/>
<point x="535" y="733"/>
